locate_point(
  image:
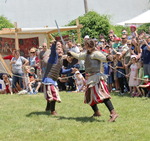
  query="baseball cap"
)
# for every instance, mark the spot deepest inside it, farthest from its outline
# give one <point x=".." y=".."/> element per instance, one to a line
<point x="32" y="69"/>
<point x="146" y="76"/>
<point x="86" y="37"/>
<point x="117" y="39"/>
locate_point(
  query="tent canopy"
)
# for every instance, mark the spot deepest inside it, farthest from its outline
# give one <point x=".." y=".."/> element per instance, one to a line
<point x="138" y="20"/>
<point x="43" y="33"/>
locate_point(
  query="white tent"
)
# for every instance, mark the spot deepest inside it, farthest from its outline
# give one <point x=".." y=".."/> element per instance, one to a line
<point x="138" y="20"/>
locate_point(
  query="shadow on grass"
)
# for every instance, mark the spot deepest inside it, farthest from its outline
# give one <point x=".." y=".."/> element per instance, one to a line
<point x="38" y="113"/>
<point x="117" y="94"/>
<point x="80" y="119"/>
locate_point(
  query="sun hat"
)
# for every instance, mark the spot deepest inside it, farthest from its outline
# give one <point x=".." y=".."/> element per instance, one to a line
<point x="133" y="56"/>
<point x="133" y="26"/>
<point x="40" y="47"/>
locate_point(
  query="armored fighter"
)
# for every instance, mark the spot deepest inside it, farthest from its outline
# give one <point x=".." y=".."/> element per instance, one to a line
<point x="96" y="91"/>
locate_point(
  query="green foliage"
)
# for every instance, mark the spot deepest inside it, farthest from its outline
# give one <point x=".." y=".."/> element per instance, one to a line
<point x="93" y="24"/>
<point x="144" y="27"/>
<point x="5" y="23"/>
<point x="23" y="118"/>
<point x="118" y="29"/>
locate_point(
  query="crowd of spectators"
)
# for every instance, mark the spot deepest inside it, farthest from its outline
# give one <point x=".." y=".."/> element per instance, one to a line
<point x="129" y="72"/>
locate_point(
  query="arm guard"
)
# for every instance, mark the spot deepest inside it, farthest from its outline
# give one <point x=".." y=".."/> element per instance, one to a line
<point x="80" y="56"/>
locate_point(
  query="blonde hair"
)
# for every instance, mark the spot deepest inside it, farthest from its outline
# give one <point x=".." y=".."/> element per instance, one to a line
<point x="33" y="49"/>
<point x="25" y="68"/>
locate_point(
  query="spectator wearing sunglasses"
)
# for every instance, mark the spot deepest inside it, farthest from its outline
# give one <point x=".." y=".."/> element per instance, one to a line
<point x="111" y="37"/>
<point x="124" y="49"/>
<point x="32" y="58"/>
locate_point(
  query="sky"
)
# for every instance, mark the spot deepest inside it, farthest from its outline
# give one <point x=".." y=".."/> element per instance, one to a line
<point x="40" y="13"/>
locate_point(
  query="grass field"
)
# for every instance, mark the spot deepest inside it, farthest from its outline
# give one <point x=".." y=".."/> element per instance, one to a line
<point x="22" y="118"/>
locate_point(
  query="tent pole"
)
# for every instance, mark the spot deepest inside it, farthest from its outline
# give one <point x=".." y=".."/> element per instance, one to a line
<point x="16" y="37"/>
<point x="78" y="31"/>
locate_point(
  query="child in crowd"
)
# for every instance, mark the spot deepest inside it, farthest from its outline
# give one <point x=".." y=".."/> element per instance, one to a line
<point x="120" y="74"/>
<point x="108" y="69"/>
<point x="7" y="84"/>
<point x="33" y="82"/>
<point x="26" y="71"/>
<point x="141" y="71"/>
<point x="133" y="75"/>
<point x="133" y="31"/>
<point x="79" y="82"/>
<point x="108" y="72"/>
<point x="144" y="89"/>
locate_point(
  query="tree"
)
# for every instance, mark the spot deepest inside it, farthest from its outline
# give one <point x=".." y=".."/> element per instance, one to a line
<point x="5" y="23"/>
<point x="118" y="28"/>
<point x="145" y="27"/>
<point x="93" y="24"/>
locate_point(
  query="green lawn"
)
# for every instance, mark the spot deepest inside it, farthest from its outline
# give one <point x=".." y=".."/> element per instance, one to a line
<point x="22" y="118"/>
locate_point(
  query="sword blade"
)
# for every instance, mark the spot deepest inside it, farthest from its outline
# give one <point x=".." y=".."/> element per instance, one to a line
<point x="60" y="33"/>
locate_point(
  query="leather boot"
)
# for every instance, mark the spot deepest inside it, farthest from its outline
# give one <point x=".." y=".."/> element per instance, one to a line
<point x="113" y="116"/>
<point x="96" y="114"/>
<point x="47" y="106"/>
<point x="54" y="113"/>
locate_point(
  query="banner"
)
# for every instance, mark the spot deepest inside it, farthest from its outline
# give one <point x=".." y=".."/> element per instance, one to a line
<point x="7" y="45"/>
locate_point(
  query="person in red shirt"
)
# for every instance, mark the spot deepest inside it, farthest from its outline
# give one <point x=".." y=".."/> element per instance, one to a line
<point x="9" y="57"/>
<point x="144" y="89"/>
